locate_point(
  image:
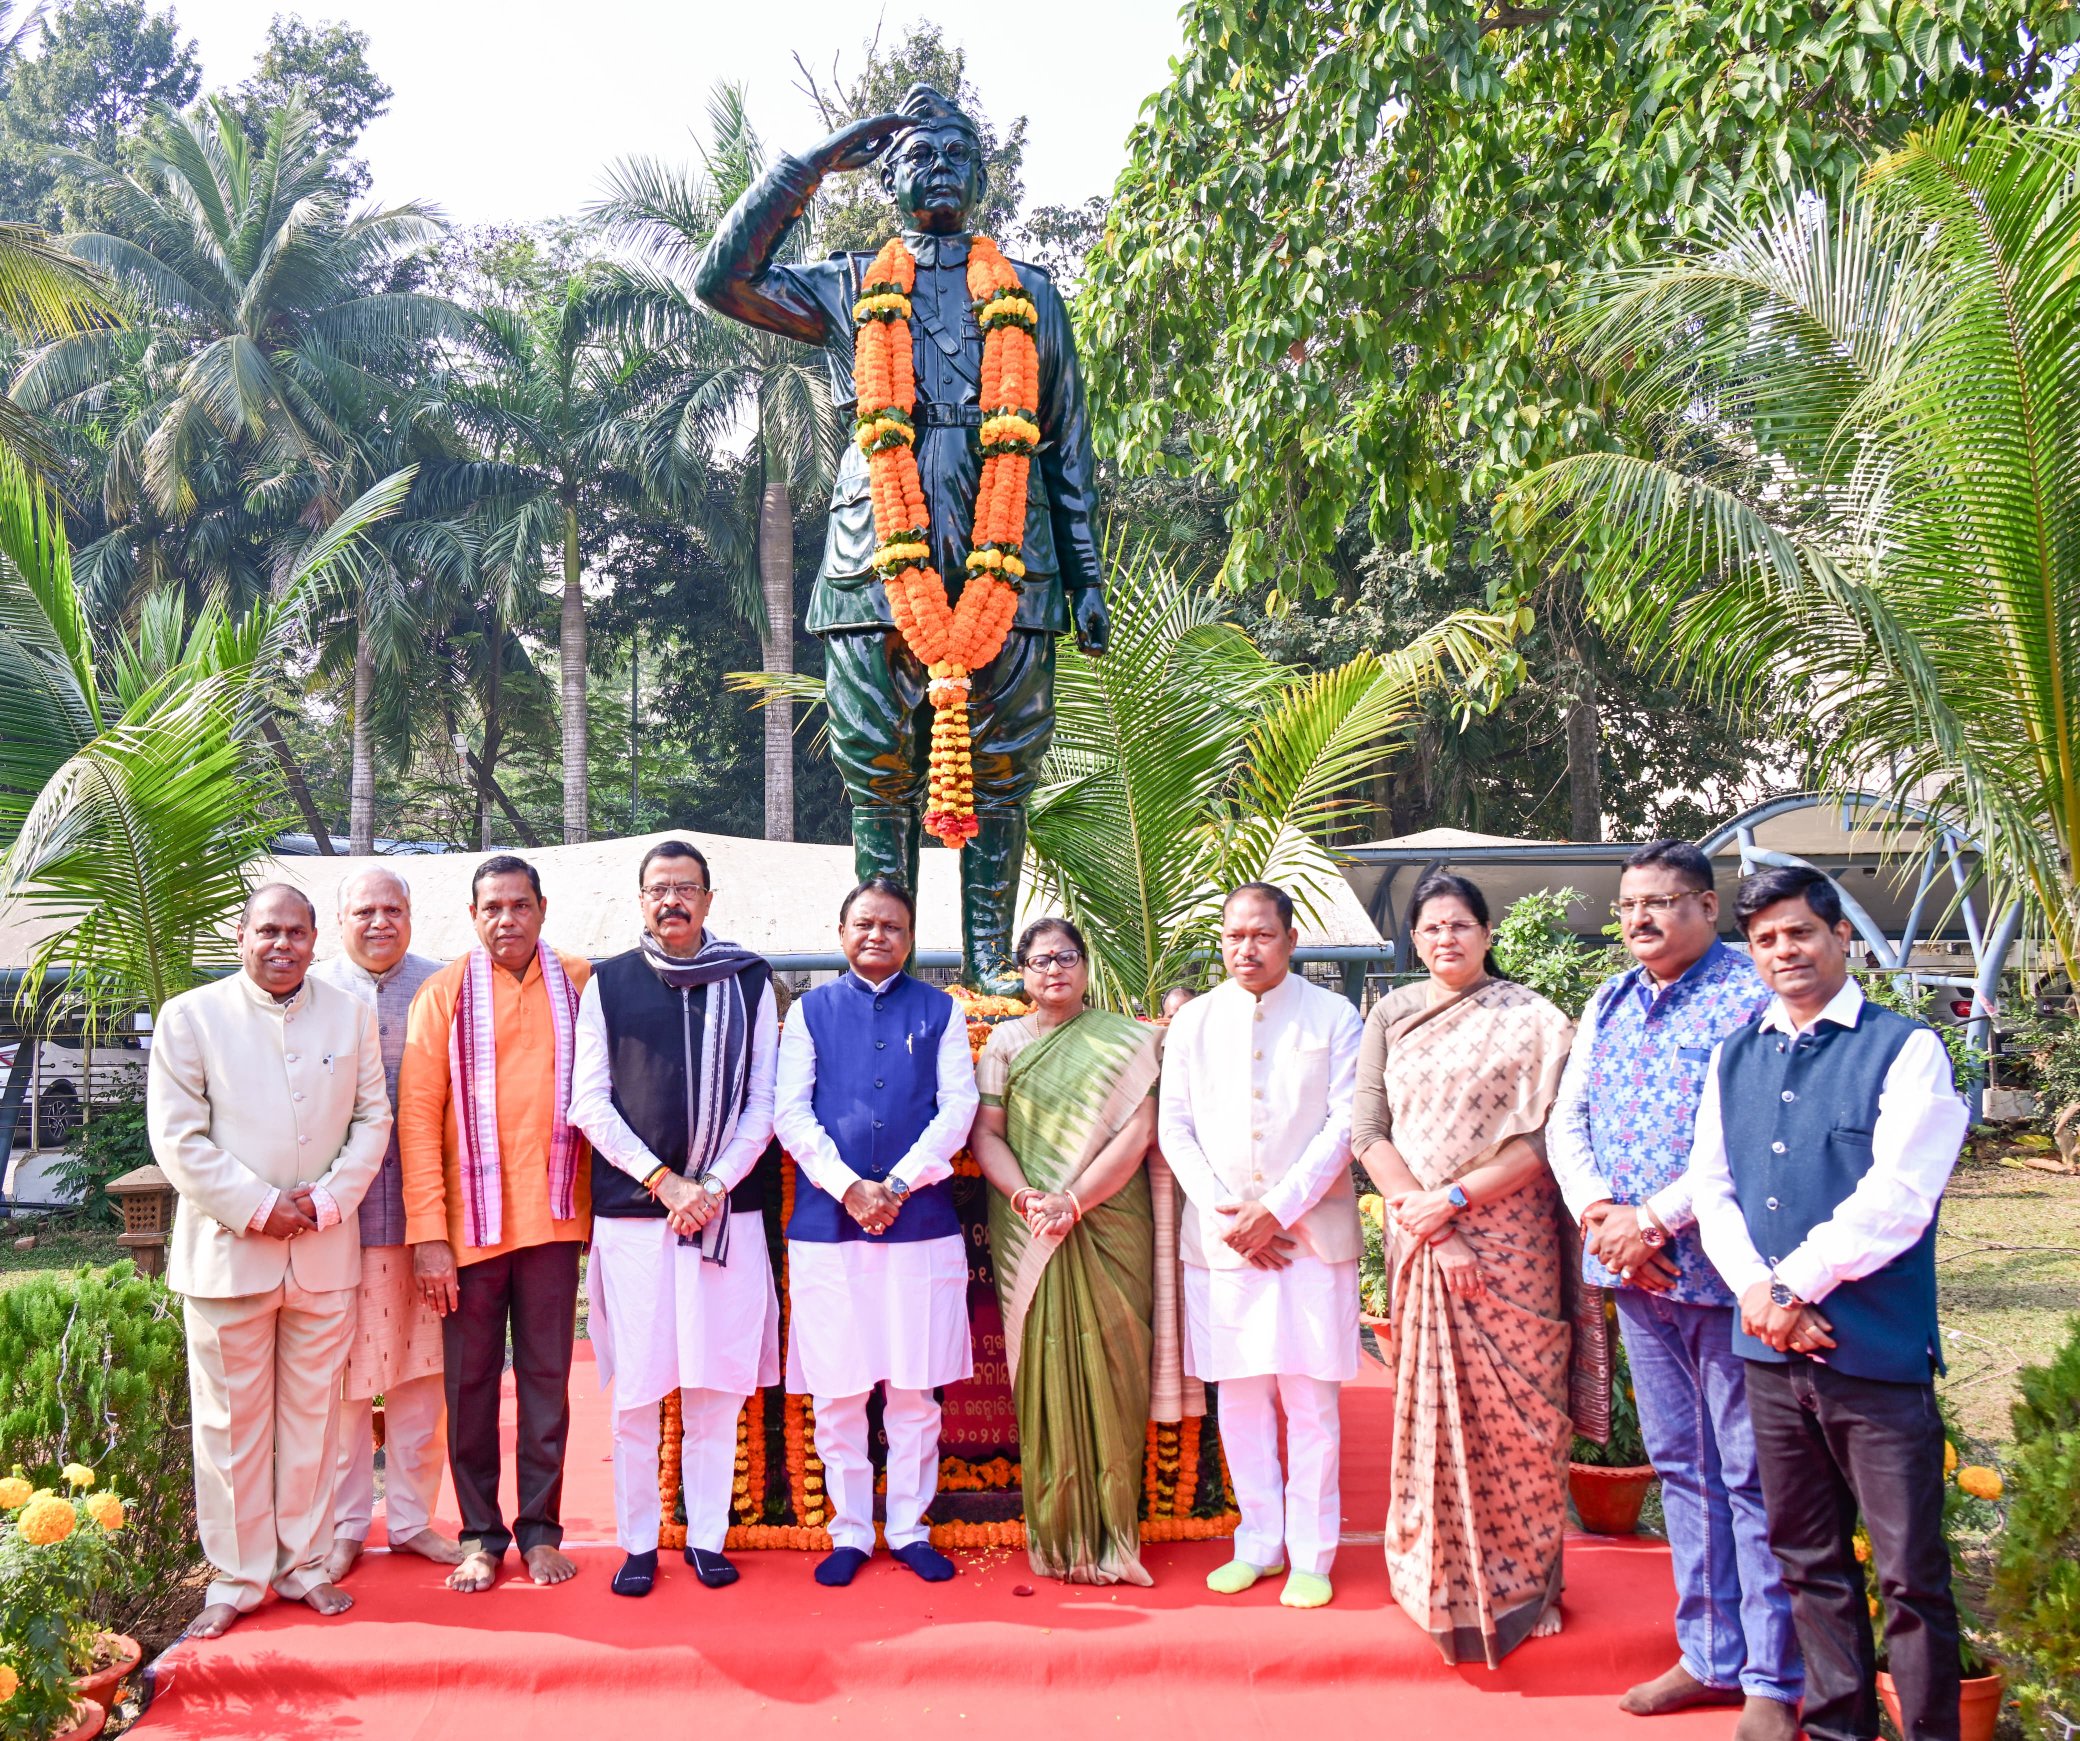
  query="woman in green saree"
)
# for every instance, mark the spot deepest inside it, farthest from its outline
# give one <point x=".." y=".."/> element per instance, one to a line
<point x="1068" y="1113"/>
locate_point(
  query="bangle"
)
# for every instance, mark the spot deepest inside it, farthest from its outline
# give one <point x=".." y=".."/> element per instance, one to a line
<point x="1021" y="1198"/>
<point x="1074" y="1204"/>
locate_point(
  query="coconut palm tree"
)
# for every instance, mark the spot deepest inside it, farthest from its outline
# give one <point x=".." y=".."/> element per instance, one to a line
<point x="704" y="380"/>
<point x="262" y="302"/>
<point x="545" y="399"/>
<point x="133" y="790"/>
<point x="1861" y="471"/>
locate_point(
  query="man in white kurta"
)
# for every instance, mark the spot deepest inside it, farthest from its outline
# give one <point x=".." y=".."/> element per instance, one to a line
<point x="673" y="1085"/>
<point x="1255" y="1121"/>
<point x="395" y="1353"/>
<point x="876" y="1093"/>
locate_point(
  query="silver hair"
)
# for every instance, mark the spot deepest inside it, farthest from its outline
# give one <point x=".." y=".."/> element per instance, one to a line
<point x="353" y="880"/>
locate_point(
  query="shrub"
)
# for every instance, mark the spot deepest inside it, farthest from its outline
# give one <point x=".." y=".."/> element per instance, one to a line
<point x="1534" y="947"/>
<point x="2036" y="1583"/>
<point x="113" y="1142"/>
<point x="94" y="1370"/>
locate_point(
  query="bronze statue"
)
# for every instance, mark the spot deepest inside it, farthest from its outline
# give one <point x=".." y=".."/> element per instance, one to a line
<point x="880" y="693"/>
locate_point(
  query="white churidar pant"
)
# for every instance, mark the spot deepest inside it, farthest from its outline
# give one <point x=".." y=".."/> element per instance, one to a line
<point x="415" y="1449"/>
<point x="1295" y="1523"/>
<point x="910" y="1418"/>
<point x="707" y="1470"/>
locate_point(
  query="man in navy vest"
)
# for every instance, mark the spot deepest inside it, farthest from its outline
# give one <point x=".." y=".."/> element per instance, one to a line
<point x="673" y="1084"/>
<point x="876" y="1093"/>
<point x="1825" y="1137"/>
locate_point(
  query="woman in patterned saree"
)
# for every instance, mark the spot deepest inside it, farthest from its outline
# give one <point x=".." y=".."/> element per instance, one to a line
<point x="1068" y="1111"/>
<point x="1454" y="1081"/>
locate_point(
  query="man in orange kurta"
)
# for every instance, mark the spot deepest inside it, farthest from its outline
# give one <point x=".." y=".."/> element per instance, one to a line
<point x="497" y="1208"/>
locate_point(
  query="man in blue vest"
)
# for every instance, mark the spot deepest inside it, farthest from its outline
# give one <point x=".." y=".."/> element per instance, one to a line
<point x="1825" y="1137"/>
<point x="876" y="1093"/>
<point x="672" y="1083"/>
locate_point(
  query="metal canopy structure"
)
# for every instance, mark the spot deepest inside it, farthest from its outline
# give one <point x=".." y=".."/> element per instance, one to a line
<point x="1910" y="882"/>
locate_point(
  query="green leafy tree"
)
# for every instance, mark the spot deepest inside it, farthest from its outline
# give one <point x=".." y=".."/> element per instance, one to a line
<point x="1347" y="227"/>
<point x="104" y="68"/>
<point x="854" y="212"/>
<point x="1865" y="421"/>
<point x="700" y="377"/>
<point x="325" y="68"/>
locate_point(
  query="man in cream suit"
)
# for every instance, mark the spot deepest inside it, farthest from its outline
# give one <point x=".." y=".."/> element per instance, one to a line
<point x="268" y="1111"/>
<point x="1256" y="1125"/>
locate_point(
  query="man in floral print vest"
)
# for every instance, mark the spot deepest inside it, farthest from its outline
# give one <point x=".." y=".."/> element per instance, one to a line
<point x="1618" y="1141"/>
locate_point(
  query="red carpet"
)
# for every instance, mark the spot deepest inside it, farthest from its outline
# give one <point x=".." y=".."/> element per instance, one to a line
<point x="778" y="1655"/>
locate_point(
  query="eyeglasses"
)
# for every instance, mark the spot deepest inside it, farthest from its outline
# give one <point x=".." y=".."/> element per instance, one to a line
<point x="680" y="891"/>
<point x="1649" y="904"/>
<point x="1060" y="958"/>
<point x="1449" y="928"/>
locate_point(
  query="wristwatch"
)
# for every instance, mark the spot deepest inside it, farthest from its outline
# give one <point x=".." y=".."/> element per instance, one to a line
<point x="897" y="1189"/>
<point x="709" y="1183"/>
<point x="1457" y="1197"/>
<point x="1780" y="1295"/>
<point x="1650" y="1235"/>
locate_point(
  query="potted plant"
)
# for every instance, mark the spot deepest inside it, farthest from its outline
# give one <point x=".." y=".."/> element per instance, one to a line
<point x="55" y="1557"/>
<point x="1970" y="1492"/>
<point x="1608" y="1483"/>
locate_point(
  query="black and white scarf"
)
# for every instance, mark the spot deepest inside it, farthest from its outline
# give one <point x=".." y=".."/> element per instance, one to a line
<point x="715" y="1093"/>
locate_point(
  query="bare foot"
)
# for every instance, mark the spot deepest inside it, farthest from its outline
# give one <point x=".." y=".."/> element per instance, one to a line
<point x="1547" y="1625"/>
<point x="547" y="1565"/>
<point x="328" y="1599"/>
<point x="213" y="1622"/>
<point x="338" y="1563"/>
<point x="431" y="1545"/>
<point x="477" y="1571"/>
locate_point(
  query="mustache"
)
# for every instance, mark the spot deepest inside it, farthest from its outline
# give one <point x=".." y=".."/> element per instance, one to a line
<point x="674" y="913"/>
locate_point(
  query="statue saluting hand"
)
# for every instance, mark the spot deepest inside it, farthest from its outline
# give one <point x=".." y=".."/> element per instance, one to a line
<point x="882" y="697"/>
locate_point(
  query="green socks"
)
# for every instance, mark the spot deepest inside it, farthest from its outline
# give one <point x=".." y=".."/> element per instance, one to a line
<point x="1237" y="1576"/>
<point x="1306" y="1590"/>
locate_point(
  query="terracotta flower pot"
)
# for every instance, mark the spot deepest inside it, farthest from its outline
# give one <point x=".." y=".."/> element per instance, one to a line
<point x="99" y="1688"/>
<point x="87" y="1719"/>
<point x="1978" y="1705"/>
<point x="1608" y="1501"/>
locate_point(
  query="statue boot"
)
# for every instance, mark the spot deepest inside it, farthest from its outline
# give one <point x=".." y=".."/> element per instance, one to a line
<point x="991" y="864"/>
<point x="885" y="843"/>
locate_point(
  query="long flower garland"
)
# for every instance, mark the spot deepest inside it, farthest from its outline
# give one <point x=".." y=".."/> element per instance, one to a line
<point x="952" y="641"/>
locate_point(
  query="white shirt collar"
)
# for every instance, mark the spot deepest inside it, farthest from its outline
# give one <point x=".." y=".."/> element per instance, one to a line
<point x="1842" y="1009"/>
<point x="876" y="986"/>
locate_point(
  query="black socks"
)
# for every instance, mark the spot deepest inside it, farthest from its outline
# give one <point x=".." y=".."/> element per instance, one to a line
<point x="926" y="1561"/>
<point x="637" y="1575"/>
<point x="838" y="1566"/>
<point x="712" y="1569"/>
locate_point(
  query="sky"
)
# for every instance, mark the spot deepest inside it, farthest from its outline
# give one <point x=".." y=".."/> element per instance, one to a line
<point x="507" y="110"/>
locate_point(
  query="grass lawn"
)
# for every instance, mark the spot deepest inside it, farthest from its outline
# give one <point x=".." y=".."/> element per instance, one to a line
<point x="61" y="1244"/>
<point x="2008" y="1264"/>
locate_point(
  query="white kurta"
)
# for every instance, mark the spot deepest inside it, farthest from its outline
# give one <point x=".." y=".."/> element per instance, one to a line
<point x="1300" y="1321"/>
<point x="665" y="1319"/>
<point x="1256" y="1105"/>
<point x="662" y="1318"/>
<point x="864" y="1311"/>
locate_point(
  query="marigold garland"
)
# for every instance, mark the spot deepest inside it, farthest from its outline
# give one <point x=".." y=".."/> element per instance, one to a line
<point x="951" y="640"/>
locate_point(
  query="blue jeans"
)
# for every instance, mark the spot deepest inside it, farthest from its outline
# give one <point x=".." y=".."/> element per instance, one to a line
<point x="1733" y="1618"/>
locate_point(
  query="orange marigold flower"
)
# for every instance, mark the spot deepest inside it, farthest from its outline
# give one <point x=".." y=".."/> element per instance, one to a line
<point x="9" y="1680"/>
<point x="106" y="1510"/>
<point x="44" y="1522"/>
<point x="1979" y="1481"/>
<point x="14" y="1493"/>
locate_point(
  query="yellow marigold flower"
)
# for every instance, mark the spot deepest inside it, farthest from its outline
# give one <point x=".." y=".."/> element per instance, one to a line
<point x="106" y="1510"/>
<point x="14" y="1493"/>
<point x="78" y="1474"/>
<point x="47" y="1521"/>
<point x="43" y="1493"/>
<point x="1371" y="1205"/>
<point x="1979" y="1481"/>
<point x="1949" y="1458"/>
<point x="1874" y="1608"/>
<point x="1863" y="1550"/>
<point x="9" y="1680"/>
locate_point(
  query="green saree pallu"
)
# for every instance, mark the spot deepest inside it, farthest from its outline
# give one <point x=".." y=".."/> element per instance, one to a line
<point x="1077" y="1309"/>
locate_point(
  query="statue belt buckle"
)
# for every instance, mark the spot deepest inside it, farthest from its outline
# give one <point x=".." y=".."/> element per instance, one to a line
<point x="930" y="414"/>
